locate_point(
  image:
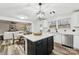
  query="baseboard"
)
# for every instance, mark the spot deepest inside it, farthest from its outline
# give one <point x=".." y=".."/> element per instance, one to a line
<point x="67" y="46"/>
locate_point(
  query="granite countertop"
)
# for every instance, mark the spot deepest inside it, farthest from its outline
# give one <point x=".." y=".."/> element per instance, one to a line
<point x="36" y="38"/>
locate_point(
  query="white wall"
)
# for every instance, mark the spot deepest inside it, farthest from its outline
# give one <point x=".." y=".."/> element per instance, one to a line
<point x="36" y="26"/>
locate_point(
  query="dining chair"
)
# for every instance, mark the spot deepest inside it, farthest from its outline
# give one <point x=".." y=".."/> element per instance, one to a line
<point x="7" y="36"/>
<point x="16" y="36"/>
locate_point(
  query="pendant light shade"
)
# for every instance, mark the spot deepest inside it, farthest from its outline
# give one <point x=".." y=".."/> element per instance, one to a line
<point x="40" y="13"/>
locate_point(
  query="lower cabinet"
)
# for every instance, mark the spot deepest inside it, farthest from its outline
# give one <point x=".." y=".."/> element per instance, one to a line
<point x="41" y="47"/>
<point x="31" y="48"/>
<point x="76" y="42"/>
<point x="57" y="38"/>
<point x="50" y="44"/>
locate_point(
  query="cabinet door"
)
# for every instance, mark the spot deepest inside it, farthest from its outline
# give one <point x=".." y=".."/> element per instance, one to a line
<point x="57" y="38"/>
<point x="50" y="44"/>
<point x="75" y="19"/>
<point x="30" y="48"/>
<point x="44" y="46"/>
<point x="41" y="47"/>
<point x="76" y="42"/>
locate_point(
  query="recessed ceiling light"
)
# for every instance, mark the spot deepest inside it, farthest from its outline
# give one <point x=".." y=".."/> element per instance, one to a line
<point x="23" y="17"/>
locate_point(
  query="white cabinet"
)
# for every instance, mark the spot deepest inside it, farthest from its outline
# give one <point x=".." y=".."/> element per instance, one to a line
<point x="57" y="38"/>
<point x="75" y="20"/>
<point x="76" y="42"/>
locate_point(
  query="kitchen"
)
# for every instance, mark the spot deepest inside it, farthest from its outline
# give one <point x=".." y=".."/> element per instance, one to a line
<point x="39" y="29"/>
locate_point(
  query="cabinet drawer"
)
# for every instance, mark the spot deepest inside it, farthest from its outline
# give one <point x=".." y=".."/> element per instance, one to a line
<point x="38" y="43"/>
<point x="50" y="40"/>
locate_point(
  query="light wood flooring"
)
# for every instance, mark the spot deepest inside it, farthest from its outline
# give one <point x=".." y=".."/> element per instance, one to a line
<point x="10" y="49"/>
<point x="62" y="50"/>
<point x="17" y="49"/>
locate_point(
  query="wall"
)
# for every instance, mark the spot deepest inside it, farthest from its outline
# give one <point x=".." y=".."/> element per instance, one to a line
<point x="4" y="27"/>
<point x="20" y="26"/>
<point x="36" y="26"/>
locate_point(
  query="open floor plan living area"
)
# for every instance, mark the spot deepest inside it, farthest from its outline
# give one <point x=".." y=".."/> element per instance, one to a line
<point x="39" y="28"/>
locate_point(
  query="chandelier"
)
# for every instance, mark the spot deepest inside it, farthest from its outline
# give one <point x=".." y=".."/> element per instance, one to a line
<point x="40" y="14"/>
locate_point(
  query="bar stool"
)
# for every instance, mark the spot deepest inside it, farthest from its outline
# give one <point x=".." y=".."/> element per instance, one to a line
<point x="15" y="35"/>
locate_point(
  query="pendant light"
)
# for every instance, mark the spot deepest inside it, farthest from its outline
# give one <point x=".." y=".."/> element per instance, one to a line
<point x="40" y="13"/>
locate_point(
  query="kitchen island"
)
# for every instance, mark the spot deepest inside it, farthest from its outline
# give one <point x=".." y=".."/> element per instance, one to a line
<point x="39" y="45"/>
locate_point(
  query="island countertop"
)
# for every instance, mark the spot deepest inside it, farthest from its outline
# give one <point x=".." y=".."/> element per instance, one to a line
<point x="34" y="38"/>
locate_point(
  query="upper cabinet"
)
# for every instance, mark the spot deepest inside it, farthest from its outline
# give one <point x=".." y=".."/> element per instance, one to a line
<point x="64" y="22"/>
<point x="75" y="19"/>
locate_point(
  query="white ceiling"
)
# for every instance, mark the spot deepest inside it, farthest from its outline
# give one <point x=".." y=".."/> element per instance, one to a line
<point x="14" y="10"/>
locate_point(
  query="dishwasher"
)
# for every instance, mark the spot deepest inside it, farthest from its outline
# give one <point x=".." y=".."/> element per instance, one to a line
<point x="67" y="40"/>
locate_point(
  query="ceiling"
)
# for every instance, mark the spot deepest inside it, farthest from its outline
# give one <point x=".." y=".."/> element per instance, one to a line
<point x="16" y="11"/>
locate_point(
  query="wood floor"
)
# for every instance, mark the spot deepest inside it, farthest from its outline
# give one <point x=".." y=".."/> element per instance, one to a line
<point x="17" y="49"/>
<point x="62" y="50"/>
<point x="10" y="49"/>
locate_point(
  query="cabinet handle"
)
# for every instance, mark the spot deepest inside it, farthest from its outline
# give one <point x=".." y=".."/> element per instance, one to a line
<point x="38" y="42"/>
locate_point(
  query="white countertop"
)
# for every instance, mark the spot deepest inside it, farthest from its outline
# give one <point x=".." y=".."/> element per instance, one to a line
<point x="69" y="32"/>
<point x="36" y="38"/>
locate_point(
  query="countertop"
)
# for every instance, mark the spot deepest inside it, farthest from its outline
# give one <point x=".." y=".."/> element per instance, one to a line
<point x="69" y="32"/>
<point x="34" y="38"/>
